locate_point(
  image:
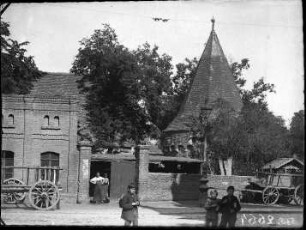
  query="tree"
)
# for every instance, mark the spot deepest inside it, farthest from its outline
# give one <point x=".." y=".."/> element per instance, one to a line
<point x="181" y="81"/>
<point x="124" y="89"/>
<point x="17" y="70"/>
<point x="297" y="134"/>
<point x="156" y="87"/>
<point x="251" y="138"/>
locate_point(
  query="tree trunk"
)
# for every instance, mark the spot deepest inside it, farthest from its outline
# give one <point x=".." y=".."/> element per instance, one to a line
<point x="221" y="167"/>
<point x="229" y="166"/>
<point x="225" y="163"/>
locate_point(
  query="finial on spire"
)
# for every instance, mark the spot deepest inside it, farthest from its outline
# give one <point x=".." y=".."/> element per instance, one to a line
<point x="213" y="23"/>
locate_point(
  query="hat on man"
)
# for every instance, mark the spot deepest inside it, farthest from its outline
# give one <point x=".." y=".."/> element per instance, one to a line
<point x="131" y="186"/>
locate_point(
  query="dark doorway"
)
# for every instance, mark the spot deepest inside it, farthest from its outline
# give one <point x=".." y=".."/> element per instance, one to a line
<point x="102" y="167"/>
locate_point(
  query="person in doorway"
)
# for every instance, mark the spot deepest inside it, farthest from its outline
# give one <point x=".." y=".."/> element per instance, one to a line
<point x="212" y="208"/>
<point x="105" y="185"/>
<point x="130" y="203"/>
<point x="229" y="206"/>
<point x="98" y="192"/>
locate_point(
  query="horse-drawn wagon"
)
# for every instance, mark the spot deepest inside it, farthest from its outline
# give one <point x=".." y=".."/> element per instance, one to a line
<point x="271" y="188"/>
<point x="41" y="184"/>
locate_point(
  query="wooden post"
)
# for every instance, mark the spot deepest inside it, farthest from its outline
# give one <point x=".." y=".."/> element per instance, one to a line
<point x="28" y="172"/>
<point x="49" y="174"/>
<point x="45" y="174"/>
<point x="54" y="176"/>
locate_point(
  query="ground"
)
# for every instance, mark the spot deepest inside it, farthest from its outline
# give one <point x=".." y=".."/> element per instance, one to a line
<point x="163" y="213"/>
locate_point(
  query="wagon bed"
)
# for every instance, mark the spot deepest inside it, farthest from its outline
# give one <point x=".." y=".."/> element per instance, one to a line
<point x="42" y="185"/>
<point x="271" y="188"/>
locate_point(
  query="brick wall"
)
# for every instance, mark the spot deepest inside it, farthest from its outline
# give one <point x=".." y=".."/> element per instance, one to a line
<point x="28" y="137"/>
<point x="172" y="186"/>
<point x="222" y="182"/>
<point x="179" y="186"/>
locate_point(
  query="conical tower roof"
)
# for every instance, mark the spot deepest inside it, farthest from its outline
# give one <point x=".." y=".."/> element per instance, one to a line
<point x="213" y="80"/>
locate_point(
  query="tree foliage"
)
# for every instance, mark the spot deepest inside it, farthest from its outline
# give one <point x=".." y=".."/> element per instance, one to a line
<point x="18" y="71"/>
<point x="297" y="134"/>
<point x="254" y="136"/>
<point x="133" y="94"/>
<point x="125" y="89"/>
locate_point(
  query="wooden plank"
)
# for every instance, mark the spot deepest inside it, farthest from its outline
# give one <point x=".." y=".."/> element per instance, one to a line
<point x="281" y="174"/>
<point x="10" y="190"/>
<point x="24" y="167"/>
<point x="14" y="185"/>
<point x="28" y="174"/>
<point x="122" y="174"/>
<point x="49" y="174"/>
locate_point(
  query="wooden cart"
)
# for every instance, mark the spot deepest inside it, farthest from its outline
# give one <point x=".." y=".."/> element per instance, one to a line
<point x="271" y="188"/>
<point x="43" y="193"/>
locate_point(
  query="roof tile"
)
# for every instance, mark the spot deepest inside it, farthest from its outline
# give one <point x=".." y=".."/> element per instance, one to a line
<point x="213" y="80"/>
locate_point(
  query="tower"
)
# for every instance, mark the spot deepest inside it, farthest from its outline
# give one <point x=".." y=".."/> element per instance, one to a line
<point x="213" y="81"/>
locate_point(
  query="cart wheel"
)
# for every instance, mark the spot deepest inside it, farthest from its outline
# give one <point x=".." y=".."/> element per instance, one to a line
<point x="44" y="195"/>
<point x="13" y="197"/>
<point x="270" y="195"/>
<point x="299" y="194"/>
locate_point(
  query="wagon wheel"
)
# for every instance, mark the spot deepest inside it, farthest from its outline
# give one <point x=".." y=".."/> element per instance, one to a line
<point x="299" y="194"/>
<point x="13" y="197"/>
<point x="44" y="195"/>
<point x="270" y="195"/>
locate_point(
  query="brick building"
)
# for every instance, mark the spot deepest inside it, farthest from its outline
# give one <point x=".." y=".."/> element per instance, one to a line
<point x="40" y="129"/>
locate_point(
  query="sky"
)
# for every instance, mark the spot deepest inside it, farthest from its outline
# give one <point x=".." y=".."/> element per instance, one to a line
<point x="267" y="32"/>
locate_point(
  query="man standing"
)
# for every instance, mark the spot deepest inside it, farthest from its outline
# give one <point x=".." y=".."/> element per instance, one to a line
<point x="129" y="204"/>
<point x="229" y="206"/>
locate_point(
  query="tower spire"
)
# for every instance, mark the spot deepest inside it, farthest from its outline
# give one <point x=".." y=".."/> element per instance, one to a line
<point x="213" y="24"/>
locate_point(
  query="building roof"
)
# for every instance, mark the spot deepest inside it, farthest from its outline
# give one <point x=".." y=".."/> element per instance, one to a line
<point x="280" y="162"/>
<point x="62" y="85"/>
<point x="213" y="80"/>
<point x="169" y="158"/>
<point x="152" y="158"/>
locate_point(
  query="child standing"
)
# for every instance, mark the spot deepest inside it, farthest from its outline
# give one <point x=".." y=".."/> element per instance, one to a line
<point x="212" y="208"/>
<point x="229" y="206"/>
<point x="130" y="203"/>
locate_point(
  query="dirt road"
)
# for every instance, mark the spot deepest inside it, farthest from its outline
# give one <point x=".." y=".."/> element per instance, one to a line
<point x="150" y="214"/>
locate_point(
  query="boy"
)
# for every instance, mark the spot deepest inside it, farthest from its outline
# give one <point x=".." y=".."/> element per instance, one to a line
<point x="229" y="206"/>
<point x="212" y="207"/>
<point x="130" y="205"/>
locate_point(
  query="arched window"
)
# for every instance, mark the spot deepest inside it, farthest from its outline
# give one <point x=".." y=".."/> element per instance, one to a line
<point x="46" y="120"/>
<point x="7" y="159"/>
<point x="11" y="119"/>
<point x="49" y="159"/>
<point x="56" y="121"/>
